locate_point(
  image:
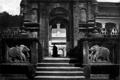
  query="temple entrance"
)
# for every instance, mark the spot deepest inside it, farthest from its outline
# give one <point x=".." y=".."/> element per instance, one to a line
<point x="58" y="27"/>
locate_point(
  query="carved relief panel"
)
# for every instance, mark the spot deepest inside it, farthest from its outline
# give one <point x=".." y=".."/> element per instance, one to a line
<point x="80" y="16"/>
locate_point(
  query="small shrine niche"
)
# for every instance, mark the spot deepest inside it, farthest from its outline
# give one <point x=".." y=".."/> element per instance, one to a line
<point x="18" y="53"/>
<point x="101" y="53"/>
<point x="20" y="44"/>
<point x="100" y="50"/>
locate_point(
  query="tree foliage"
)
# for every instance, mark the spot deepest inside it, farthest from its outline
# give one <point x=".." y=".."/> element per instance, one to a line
<point x="7" y="20"/>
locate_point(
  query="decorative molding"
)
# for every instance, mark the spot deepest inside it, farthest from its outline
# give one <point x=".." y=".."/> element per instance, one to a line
<point x="107" y="17"/>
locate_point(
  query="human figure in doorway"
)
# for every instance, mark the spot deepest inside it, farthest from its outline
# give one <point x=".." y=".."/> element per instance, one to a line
<point x="55" y="52"/>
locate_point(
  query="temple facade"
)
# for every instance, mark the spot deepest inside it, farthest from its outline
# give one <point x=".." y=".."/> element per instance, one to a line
<point x="60" y="20"/>
<point x="62" y="40"/>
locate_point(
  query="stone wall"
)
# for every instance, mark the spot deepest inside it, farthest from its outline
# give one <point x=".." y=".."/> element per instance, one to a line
<point x="83" y="12"/>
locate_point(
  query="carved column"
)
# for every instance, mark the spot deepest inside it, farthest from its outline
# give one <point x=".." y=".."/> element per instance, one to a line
<point x="79" y="16"/>
<point x="34" y="12"/>
<point x="44" y="30"/>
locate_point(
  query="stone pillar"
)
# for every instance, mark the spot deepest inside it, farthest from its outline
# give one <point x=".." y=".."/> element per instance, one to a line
<point x="34" y="52"/>
<point x="84" y="12"/>
<point x="85" y="52"/>
<point x="70" y="41"/>
<point x="79" y="17"/>
<point x="91" y="11"/>
<point x="44" y="30"/>
<point x="34" y="13"/>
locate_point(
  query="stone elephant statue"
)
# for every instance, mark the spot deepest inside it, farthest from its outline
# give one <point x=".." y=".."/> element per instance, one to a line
<point x="99" y="54"/>
<point x="18" y="54"/>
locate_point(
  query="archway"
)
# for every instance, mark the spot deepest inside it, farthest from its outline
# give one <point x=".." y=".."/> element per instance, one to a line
<point x="58" y="28"/>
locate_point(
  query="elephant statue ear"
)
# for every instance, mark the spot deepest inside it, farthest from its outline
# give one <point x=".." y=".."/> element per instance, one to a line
<point x="23" y="46"/>
<point x="94" y="47"/>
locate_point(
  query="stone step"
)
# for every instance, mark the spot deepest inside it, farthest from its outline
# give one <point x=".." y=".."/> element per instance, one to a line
<point x="59" y="69"/>
<point x="59" y="73"/>
<point x="59" y="60"/>
<point x="60" y="78"/>
<point x="56" y="64"/>
<point x="101" y="79"/>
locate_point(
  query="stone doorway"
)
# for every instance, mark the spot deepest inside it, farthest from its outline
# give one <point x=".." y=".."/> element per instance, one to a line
<point x="58" y="28"/>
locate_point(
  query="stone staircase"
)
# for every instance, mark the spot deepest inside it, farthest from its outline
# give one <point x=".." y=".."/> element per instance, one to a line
<point x="59" y="69"/>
